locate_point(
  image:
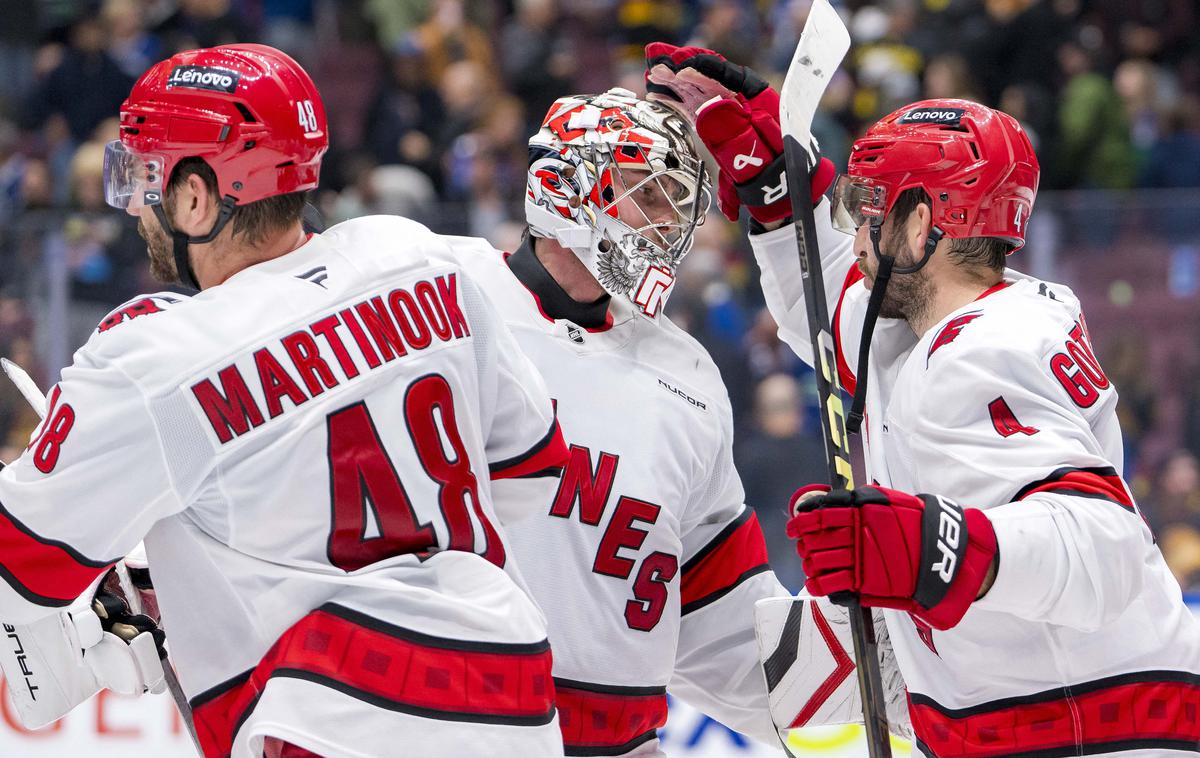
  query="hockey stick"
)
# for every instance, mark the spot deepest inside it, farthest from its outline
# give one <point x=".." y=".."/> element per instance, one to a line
<point x="823" y="44"/>
<point x="29" y="390"/>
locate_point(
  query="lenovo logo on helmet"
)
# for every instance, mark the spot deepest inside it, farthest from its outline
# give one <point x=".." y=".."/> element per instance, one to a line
<point x="204" y="77"/>
<point x="950" y="116"/>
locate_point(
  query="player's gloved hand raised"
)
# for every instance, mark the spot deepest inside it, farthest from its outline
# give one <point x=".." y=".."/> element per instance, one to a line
<point x="918" y="553"/>
<point x="736" y="114"/>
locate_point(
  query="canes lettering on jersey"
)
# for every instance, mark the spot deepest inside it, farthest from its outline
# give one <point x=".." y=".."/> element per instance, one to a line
<point x="384" y="327"/>
<point x="627" y="530"/>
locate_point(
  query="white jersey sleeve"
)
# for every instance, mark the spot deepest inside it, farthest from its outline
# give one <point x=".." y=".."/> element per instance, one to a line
<point x="70" y="506"/>
<point x="1071" y="541"/>
<point x="724" y="573"/>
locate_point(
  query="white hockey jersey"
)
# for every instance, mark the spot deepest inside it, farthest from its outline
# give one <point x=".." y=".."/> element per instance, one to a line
<point x="316" y="453"/>
<point x="1083" y="645"/>
<point x="646" y="561"/>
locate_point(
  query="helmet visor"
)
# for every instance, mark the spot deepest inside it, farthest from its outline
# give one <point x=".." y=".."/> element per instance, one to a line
<point x="131" y="179"/>
<point x="857" y="201"/>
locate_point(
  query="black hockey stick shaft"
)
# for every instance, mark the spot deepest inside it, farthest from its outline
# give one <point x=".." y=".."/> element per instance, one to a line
<point x="833" y="427"/>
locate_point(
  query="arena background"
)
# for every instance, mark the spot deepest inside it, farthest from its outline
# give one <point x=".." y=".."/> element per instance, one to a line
<point x="430" y="103"/>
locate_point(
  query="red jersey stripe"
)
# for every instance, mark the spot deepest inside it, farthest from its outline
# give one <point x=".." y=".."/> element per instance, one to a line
<point x="1146" y="710"/>
<point x="392" y="668"/>
<point x="993" y="290"/>
<point x="734" y="555"/>
<point x="1101" y="483"/>
<point x="43" y="571"/>
<point x="601" y="719"/>
<point x="845" y="375"/>
<point x="550" y="452"/>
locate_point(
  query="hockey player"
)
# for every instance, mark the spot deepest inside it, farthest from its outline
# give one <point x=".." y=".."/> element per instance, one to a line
<point x="1037" y="617"/>
<point x="646" y="561"/>
<point x="319" y="449"/>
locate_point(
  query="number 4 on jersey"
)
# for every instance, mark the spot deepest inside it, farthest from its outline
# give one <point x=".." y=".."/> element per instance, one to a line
<point x="1005" y="421"/>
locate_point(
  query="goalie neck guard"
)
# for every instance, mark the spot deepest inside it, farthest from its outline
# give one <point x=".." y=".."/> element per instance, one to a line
<point x="618" y="180"/>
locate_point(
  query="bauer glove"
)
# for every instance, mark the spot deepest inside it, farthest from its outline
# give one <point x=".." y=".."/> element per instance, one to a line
<point x="918" y="553"/>
<point x="736" y="115"/>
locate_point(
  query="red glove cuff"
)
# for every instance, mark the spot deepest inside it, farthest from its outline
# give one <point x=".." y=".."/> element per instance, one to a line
<point x="981" y="550"/>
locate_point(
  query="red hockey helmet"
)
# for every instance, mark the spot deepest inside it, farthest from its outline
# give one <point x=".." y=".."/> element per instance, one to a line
<point x="250" y="111"/>
<point x="976" y="163"/>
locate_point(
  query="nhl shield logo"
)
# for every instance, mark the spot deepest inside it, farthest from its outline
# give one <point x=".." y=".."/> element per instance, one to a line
<point x="575" y="333"/>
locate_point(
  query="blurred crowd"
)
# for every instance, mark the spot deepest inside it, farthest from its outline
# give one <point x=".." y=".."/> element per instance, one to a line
<point x="430" y="104"/>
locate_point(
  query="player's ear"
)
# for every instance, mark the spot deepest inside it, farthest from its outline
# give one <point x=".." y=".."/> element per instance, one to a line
<point x="917" y="229"/>
<point x="196" y="206"/>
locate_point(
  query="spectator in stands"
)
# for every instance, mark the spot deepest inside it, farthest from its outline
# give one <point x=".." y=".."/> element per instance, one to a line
<point x="1138" y="84"/>
<point x="17" y="418"/>
<point x="640" y="22"/>
<point x="388" y="190"/>
<point x="102" y="255"/>
<point x="1011" y="42"/>
<point x="466" y="91"/>
<point x="887" y="67"/>
<point x="1160" y="30"/>
<point x="291" y="25"/>
<point x="948" y="75"/>
<point x="1173" y="509"/>
<point x="537" y="58"/>
<point x="447" y="37"/>
<point x="1126" y="357"/>
<point x="86" y="87"/>
<point x="406" y="115"/>
<point x="129" y="43"/>
<point x="203" y="23"/>
<point x="12" y="170"/>
<point x="18" y="36"/>
<point x="769" y="457"/>
<point x="1175" y="496"/>
<point x="1093" y="150"/>
<point x="1174" y="158"/>
<point x="728" y="27"/>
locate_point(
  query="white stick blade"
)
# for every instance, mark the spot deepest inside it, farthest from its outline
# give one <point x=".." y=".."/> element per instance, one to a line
<point x="25" y="385"/>
<point x="823" y="44"/>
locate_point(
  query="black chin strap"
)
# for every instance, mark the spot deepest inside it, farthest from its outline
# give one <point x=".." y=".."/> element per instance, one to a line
<point x="887" y="267"/>
<point x="180" y="241"/>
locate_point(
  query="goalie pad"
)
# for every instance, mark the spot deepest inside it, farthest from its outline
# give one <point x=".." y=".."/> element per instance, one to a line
<point x="61" y="660"/>
<point x="807" y="658"/>
<point x="43" y="664"/>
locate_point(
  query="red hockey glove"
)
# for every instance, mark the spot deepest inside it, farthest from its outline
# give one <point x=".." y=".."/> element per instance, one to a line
<point x="918" y="553"/>
<point x="736" y="114"/>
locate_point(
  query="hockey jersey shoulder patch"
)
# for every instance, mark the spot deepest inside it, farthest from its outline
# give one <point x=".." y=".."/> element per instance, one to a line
<point x="950" y="332"/>
<point x="139" y="306"/>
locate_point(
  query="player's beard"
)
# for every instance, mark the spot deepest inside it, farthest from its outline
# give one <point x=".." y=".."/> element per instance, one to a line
<point x="160" y="248"/>
<point x="907" y="295"/>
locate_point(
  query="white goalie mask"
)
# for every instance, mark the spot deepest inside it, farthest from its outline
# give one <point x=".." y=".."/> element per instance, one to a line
<point x="618" y="181"/>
